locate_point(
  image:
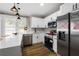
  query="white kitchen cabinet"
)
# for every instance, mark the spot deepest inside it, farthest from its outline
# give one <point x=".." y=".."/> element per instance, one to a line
<point x="40" y="37"/>
<point x="66" y="8"/>
<point x="37" y="22"/>
<point x="0" y="26"/>
<point x="37" y="38"/>
<point x="55" y="43"/>
<point x="43" y="24"/>
<point x="50" y="18"/>
<point x="76" y="6"/>
<point x="46" y="23"/>
<point x="34" y="22"/>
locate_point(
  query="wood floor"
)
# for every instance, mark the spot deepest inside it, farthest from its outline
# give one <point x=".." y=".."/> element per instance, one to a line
<point x="37" y="50"/>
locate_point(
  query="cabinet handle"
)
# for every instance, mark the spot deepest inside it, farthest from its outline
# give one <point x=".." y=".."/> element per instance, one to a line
<point x="73" y="7"/>
<point x="76" y="6"/>
<point x="37" y="37"/>
<point x="51" y="18"/>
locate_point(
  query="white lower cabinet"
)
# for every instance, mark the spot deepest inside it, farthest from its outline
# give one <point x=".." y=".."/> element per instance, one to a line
<point x="34" y="39"/>
<point x="55" y="43"/>
<point x="37" y="38"/>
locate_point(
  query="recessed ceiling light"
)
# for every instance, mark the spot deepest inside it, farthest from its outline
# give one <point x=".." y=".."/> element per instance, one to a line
<point x="41" y="4"/>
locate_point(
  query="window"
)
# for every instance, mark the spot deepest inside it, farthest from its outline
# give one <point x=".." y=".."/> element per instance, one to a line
<point x="10" y="25"/>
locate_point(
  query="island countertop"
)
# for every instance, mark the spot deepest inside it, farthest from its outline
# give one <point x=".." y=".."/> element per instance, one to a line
<point x="11" y="41"/>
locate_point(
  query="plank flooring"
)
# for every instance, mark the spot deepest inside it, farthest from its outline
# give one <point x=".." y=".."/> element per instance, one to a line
<point x="37" y="50"/>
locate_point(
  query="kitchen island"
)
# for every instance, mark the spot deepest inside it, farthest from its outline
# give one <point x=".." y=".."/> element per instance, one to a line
<point x="11" y="45"/>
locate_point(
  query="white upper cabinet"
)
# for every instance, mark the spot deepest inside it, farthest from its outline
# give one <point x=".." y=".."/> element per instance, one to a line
<point x="76" y="6"/>
<point x="51" y="17"/>
<point x="33" y="22"/>
<point x="37" y="22"/>
<point x="0" y="26"/>
<point x="66" y="8"/>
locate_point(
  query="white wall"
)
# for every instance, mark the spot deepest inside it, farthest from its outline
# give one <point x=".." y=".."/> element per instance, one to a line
<point x="2" y="29"/>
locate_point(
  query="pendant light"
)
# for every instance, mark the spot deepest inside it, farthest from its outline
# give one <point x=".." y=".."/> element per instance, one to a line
<point x="14" y="9"/>
<point x="17" y="13"/>
<point x="18" y="17"/>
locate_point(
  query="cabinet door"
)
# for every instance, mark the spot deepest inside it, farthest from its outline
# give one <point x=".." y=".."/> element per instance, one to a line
<point x="78" y="6"/>
<point x="43" y="37"/>
<point x="40" y="37"/>
<point x="35" y="38"/>
<point x="0" y="28"/>
<point x="66" y="8"/>
<point x="42" y="23"/>
<point x="36" y="22"/>
<point x="33" y="23"/>
<point x="55" y="43"/>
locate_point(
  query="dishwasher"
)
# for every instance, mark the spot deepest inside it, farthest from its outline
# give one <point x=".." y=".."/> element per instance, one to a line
<point x="27" y="40"/>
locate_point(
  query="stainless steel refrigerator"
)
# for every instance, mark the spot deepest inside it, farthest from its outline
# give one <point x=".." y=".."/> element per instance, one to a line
<point x="68" y="34"/>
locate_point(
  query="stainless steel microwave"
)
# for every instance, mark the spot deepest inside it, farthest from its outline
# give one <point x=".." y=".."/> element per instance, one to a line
<point x="52" y="24"/>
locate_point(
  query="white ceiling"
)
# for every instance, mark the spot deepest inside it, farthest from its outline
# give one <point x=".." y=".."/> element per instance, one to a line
<point x="31" y="9"/>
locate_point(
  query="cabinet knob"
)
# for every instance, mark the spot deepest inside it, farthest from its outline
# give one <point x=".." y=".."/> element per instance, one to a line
<point x="37" y="37"/>
<point x="73" y="7"/>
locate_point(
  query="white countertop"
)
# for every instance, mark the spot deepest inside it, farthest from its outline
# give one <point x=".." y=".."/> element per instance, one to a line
<point x="11" y="41"/>
<point x="50" y="36"/>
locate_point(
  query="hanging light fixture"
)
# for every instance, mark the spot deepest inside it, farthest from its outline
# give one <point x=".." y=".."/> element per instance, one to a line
<point x="18" y="17"/>
<point x="14" y="9"/>
<point x="17" y="13"/>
